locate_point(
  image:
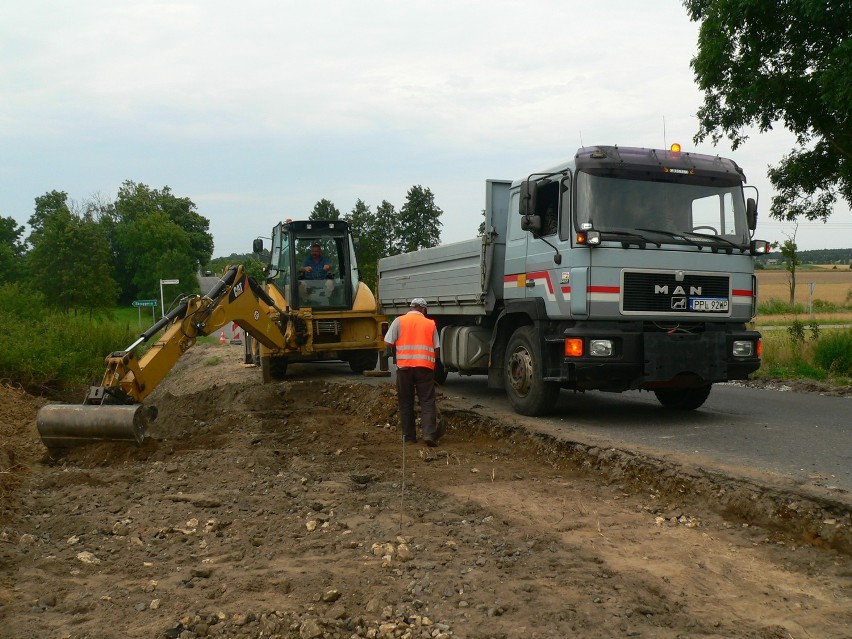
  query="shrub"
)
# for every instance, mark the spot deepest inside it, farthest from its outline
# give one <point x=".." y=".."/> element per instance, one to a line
<point x="774" y="306"/>
<point x="833" y="352"/>
<point x="51" y="349"/>
<point x="822" y="306"/>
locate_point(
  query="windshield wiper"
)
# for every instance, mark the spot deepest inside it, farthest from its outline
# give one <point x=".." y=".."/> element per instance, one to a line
<point x="631" y="238"/>
<point x="718" y="238"/>
<point x="677" y="236"/>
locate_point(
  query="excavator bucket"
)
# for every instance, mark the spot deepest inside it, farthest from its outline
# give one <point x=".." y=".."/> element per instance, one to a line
<point x="69" y="425"/>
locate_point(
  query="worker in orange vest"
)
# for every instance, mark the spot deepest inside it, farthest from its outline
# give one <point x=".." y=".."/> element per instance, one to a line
<point x="415" y="340"/>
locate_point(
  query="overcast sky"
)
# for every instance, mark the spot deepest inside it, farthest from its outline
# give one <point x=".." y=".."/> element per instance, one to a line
<point x="255" y="110"/>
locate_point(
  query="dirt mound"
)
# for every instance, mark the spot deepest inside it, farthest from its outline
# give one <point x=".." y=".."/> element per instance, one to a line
<point x="19" y="447"/>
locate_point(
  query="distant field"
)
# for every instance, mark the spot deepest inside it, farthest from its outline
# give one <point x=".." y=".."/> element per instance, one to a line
<point x="831" y="285"/>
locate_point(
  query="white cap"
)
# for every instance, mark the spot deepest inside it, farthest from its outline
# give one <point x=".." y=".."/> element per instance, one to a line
<point x="418" y="301"/>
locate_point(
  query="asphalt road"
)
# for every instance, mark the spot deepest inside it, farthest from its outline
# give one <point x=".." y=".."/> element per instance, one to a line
<point x="805" y="437"/>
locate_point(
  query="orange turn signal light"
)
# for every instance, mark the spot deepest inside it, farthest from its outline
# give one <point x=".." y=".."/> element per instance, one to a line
<point x="760" y="348"/>
<point x="573" y="347"/>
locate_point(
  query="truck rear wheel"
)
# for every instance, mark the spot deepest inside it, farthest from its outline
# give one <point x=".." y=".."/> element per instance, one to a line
<point x="364" y="360"/>
<point x="683" y="398"/>
<point x="528" y="393"/>
<point x="274" y="369"/>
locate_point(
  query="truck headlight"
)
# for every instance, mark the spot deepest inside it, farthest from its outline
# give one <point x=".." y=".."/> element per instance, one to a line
<point x="743" y="348"/>
<point x="600" y="347"/>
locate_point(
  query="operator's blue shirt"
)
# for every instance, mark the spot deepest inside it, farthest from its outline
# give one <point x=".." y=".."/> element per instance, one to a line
<point x="317" y="271"/>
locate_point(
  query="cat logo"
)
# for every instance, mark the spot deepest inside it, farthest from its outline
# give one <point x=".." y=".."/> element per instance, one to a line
<point x="237" y="290"/>
<point x="678" y="303"/>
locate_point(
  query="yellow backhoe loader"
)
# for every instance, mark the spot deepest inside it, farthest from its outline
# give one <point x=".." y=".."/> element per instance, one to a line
<point x="294" y="317"/>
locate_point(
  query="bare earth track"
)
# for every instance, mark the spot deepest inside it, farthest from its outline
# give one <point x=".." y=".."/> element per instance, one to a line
<point x="281" y="511"/>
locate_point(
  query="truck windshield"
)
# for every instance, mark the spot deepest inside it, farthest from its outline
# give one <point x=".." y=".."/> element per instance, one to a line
<point x="679" y="210"/>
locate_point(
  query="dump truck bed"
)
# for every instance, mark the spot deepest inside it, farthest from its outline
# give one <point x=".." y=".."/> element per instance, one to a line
<point x="462" y="278"/>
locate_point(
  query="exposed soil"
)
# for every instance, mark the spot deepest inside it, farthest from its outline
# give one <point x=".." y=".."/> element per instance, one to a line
<point x="292" y="510"/>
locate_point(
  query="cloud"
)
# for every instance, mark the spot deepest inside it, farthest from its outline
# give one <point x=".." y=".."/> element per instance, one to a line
<point x="261" y="108"/>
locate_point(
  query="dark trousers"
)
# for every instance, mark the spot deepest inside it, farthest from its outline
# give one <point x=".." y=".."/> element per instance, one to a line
<point x="422" y="381"/>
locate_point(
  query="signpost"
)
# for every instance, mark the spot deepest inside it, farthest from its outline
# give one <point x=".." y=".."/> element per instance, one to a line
<point x="138" y="304"/>
<point x="162" y="302"/>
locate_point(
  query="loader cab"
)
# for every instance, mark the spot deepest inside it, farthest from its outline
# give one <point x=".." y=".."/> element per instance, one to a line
<point x="313" y="264"/>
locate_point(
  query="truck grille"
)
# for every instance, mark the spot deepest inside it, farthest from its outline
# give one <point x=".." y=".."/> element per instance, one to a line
<point x="660" y="292"/>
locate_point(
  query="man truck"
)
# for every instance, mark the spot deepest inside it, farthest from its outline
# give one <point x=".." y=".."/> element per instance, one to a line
<point x="623" y="268"/>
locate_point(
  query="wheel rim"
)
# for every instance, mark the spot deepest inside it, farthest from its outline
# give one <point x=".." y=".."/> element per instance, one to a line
<point x="519" y="370"/>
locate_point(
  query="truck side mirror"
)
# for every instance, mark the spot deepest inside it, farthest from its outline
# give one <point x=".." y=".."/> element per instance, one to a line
<point x="529" y="189"/>
<point x="751" y="213"/>
<point x="257" y="246"/>
<point x="531" y="223"/>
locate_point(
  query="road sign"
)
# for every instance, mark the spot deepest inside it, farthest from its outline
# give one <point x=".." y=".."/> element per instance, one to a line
<point x="138" y="303"/>
<point x="169" y="281"/>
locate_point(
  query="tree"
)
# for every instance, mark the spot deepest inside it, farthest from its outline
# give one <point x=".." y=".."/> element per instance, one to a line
<point x="789" y="250"/>
<point x="137" y="200"/>
<point x="11" y="250"/>
<point x="140" y="223"/>
<point x="368" y="243"/>
<point x="160" y="250"/>
<point x="385" y="229"/>
<point x="761" y="62"/>
<point x="419" y="221"/>
<point x="45" y="206"/>
<point x="324" y="210"/>
<point x="70" y="260"/>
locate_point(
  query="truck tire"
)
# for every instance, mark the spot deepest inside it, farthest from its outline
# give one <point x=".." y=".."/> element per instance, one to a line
<point x="440" y="373"/>
<point x="683" y="398"/>
<point x="528" y="393"/>
<point x="273" y="369"/>
<point x="363" y="360"/>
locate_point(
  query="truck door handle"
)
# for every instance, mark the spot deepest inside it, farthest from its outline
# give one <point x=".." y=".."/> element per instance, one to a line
<point x="530" y="283"/>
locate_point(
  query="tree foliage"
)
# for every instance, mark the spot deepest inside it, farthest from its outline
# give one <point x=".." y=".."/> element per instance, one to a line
<point x="760" y="63"/>
<point x="324" y="210"/>
<point x="12" y="249"/>
<point x="157" y="248"/>
<point x="419" y="221"/>
<point x="368" y="243"/>
<point x="70" y="261"/>
<point x="789" y="250"/>
<point x="155" y="235"/>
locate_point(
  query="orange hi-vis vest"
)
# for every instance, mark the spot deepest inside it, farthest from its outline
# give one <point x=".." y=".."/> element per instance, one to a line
<point x="415" y="344"/>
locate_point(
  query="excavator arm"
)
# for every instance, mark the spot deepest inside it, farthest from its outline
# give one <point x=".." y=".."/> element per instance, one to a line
<point x="112" y="411"/>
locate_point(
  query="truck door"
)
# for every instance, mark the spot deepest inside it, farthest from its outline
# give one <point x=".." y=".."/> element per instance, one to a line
<point x="545" y="278"/>
<point x="514" y="277"/>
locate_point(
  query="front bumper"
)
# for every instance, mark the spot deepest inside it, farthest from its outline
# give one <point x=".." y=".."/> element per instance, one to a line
<point x="644" y="356"/>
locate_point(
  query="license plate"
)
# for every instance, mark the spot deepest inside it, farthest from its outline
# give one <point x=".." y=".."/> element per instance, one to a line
<point x="711" y="304"/>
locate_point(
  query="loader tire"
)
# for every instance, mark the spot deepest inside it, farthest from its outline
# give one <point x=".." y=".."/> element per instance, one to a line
<point x="274" y="369"/>
<point x="363" y="360"/>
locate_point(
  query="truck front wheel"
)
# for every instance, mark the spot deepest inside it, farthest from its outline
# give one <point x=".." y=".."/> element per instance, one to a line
<point x="683" y="398"/>
<point x="528" y="393"/>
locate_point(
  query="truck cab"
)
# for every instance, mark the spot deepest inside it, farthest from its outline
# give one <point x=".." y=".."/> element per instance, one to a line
<point x="292" y="245"/>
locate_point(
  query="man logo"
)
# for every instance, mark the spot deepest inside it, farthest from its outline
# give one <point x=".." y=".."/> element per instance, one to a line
<point x="678" y="303"/>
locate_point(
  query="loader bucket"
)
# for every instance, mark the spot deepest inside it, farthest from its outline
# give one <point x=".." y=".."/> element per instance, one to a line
<point x="70" y="425"/>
